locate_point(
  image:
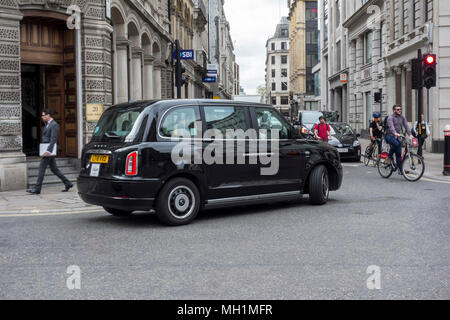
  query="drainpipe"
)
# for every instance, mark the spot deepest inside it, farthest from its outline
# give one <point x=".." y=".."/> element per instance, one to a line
<point x="80" y="130"/>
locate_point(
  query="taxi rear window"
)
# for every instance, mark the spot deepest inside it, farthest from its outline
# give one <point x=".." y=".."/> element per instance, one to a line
<point x="116" y="123"/>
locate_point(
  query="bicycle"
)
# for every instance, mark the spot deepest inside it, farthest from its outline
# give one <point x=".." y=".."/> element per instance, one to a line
<point x="412" y="166"/>
<point x="372" y="153"/>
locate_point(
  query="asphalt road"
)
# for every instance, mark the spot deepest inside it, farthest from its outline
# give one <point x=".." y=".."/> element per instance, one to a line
<point x="277" y="251"/>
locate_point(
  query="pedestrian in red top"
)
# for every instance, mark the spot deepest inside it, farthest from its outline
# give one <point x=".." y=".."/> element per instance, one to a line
<point x="322" y="130"/>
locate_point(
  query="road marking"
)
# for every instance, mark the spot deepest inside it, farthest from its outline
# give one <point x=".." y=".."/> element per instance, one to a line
<point x="47" y="213"/>
<point x="437" y="181"/>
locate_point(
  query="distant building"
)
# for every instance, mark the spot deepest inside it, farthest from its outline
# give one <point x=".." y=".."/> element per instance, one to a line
<point x="277" y="68"/>
<point x="303" y="53"/>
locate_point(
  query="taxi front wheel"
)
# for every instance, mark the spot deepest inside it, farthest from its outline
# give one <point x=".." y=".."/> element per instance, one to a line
<point x="178" y="202"/>
<point x="319" y="187"/>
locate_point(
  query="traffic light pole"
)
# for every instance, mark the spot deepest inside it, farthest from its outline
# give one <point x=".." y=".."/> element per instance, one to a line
<point x="419" y="97"/>
<point x="178" y="69"/>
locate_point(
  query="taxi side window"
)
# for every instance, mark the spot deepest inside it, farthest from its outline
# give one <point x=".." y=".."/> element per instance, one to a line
<point x="180" y="122"/>
<point x="269" y="120"/>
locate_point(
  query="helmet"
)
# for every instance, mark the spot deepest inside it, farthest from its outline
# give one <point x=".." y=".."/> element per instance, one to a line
<point x="376" y="115"/>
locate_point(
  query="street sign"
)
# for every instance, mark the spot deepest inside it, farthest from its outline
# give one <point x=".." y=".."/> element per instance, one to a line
<point x="184" y="54"/>
<point x="209" y="79"/>
<point x="212" y="70"/>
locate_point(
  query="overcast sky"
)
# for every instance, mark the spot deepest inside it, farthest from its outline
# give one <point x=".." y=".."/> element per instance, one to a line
<point x="252" y="22"/>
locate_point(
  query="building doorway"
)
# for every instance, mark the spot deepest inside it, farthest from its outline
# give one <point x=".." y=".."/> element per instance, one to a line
<point x="48" y="81"/>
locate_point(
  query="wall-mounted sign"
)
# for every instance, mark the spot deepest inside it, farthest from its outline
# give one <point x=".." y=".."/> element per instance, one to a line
<point x="209" y="79"/>
<point x="212" y="70"/>
<point x="184" y="54"/>
<point x="94" y="111"/>
<point x="343" y="78"/>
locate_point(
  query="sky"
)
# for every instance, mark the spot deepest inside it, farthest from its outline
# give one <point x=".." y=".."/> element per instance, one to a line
<point x="252" y="22"/>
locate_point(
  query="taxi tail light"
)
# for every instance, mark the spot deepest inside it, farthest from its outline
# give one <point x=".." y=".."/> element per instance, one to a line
<point x="131" y="165"/>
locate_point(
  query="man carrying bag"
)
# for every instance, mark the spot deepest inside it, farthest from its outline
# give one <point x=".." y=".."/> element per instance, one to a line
<point x="48" y="153"/>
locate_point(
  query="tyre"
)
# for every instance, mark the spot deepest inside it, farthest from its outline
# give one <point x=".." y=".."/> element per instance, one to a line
<point x="413" y="167"/>
<point x="178" y="202"/>
<point x="319" y="187"/>
<point x="117" y="212"/>
<point x="384" y="169"/>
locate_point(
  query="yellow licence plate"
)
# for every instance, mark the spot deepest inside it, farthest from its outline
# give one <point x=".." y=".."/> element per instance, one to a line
<point x="96" y="158"/>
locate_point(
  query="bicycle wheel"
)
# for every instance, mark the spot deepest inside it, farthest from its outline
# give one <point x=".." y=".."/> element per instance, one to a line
<point x="413" y="167"/>
<point x="385" y="170"/>
<point x="367" y="156"/>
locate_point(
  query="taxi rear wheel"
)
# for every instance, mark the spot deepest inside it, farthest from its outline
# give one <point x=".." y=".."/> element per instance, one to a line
<point x="178" y="202"/>
<point x="117" y="212"/>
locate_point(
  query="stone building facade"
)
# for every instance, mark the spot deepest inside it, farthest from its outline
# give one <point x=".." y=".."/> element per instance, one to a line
<point x="118" y="53"/>
<point x="383" y="37"/>
<point x="221" y="50"/>
<point x="277" y="68"/>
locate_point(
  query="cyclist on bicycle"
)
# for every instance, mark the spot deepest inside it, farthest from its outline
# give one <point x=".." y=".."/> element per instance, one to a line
<point x="376" y="131"/>
<point x="395" y="122"/>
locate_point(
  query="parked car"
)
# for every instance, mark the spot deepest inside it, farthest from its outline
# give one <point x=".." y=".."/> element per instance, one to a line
<point x="346" y="141"/>
<point x="129" y="163"/>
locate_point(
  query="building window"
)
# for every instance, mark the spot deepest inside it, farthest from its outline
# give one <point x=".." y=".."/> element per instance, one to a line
<point x="338" y="13"/>
<point x="273" y="73"/>
<point x="338" y="56"/>
<point x="284" y="86"/>
<point x="368" y="47"/>
<point x="428" y="10"/>
<point x="273" y="46"/>
<point x="405" y="16"/>
<point x="284" y="100"/>
<point x="274" y="101"/>
<point x="273" y="59"/>
<point x="283" y="46"/>
<point x="274" y="86"/>
<point x="284" y="73"/>
<point x="284" y="33"/>
<point x="283" y="59"/>
<point x="369" y="109"/>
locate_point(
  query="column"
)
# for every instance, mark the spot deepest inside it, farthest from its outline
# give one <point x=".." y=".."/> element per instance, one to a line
<point x="157" y="81"/>
<point x="122" y="71"/>
<point x="137" y="74"/>
<point x="148" y="77"/>
<point x="409" y="101"/>
<point x="13" y="168"/>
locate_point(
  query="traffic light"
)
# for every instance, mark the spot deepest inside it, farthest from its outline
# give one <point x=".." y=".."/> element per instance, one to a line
<point x="416" y="72"/>
<point x="180" y="79"/>
<point x="429" y="71"/>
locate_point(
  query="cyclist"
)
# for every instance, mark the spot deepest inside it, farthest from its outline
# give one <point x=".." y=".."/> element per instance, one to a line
<point x="376" y="131"/>
<point x="395" y="122"/>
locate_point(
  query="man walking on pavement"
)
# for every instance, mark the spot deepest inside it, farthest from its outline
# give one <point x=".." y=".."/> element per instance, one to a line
<point x="395" y="122"/>
<point x="50" y="136"/>
<point x="425" y="133"/>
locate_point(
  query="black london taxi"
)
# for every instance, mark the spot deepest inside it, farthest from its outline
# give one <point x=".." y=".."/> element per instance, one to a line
<point x="181" y="156"/>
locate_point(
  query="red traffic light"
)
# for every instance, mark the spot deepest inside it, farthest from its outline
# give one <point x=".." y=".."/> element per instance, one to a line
<point x="430" y="59"/>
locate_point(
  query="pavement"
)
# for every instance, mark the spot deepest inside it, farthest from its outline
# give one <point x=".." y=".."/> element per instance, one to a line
<point x="52" y="200"/>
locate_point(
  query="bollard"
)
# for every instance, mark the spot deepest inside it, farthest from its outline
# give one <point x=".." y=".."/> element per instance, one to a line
<point x="447" y="151"/>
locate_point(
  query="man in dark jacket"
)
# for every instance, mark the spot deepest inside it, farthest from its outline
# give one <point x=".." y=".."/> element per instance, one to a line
<point x="50" y="136"/>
